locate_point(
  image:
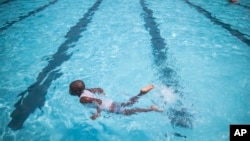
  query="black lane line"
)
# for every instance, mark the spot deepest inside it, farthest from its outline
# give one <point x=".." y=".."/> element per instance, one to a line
<point x="241" y="36"/>
<point x="35" y="93"/>
<point x="5" y="2"/>
<point x="178" y="117"/>
<point x="20" y="18"/>
<point x="242" y="5"/>
<point x="167" y="74"/>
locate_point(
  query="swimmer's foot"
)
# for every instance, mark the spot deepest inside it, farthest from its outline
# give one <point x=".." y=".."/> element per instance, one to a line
<point x="155" y="108"/>
<point x="146" y="89"/>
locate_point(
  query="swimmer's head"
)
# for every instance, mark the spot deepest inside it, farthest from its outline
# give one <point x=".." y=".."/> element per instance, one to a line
<point x="76" y="87"/>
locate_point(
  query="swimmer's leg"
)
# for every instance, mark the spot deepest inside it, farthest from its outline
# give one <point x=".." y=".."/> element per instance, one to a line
<point x="143" y="91"/>
<point x="140" y="110"/>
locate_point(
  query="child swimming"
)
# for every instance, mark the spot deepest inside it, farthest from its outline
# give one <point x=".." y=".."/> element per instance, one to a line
<point x="87" y="97"/>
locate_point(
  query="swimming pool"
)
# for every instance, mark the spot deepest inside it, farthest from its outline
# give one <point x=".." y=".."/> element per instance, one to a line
<point x="196" y="53"/>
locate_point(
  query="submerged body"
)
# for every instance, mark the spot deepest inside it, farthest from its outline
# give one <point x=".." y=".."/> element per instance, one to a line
<point x="87" y="97"/>
<point x="106" y="104"/>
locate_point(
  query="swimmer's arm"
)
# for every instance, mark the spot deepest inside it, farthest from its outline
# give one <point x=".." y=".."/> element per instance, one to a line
<point x="85" y="100"/>
<point x="97" y="114"/>
<point x="96" y="90"/>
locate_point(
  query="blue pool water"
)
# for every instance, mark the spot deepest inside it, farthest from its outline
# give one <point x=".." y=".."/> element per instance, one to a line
<point x="196" y="53"/>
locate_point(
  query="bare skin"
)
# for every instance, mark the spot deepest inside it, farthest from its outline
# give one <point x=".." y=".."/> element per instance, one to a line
<point x="131" y="101"/>
<point x="138" y="110"/>
<point x="77" y="89"/>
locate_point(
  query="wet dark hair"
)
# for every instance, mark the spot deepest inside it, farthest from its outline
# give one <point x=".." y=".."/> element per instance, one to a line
<point x="76" y="87"/>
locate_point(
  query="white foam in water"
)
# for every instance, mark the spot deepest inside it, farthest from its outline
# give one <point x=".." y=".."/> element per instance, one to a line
<point x="168" y="94"/>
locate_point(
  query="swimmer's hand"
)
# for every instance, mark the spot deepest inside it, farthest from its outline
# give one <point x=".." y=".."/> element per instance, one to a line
<point x="94" y="116"/>
<point x="97" y="114"/>
<point x="97" y="90"/>
<point x="100" y="91"/>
